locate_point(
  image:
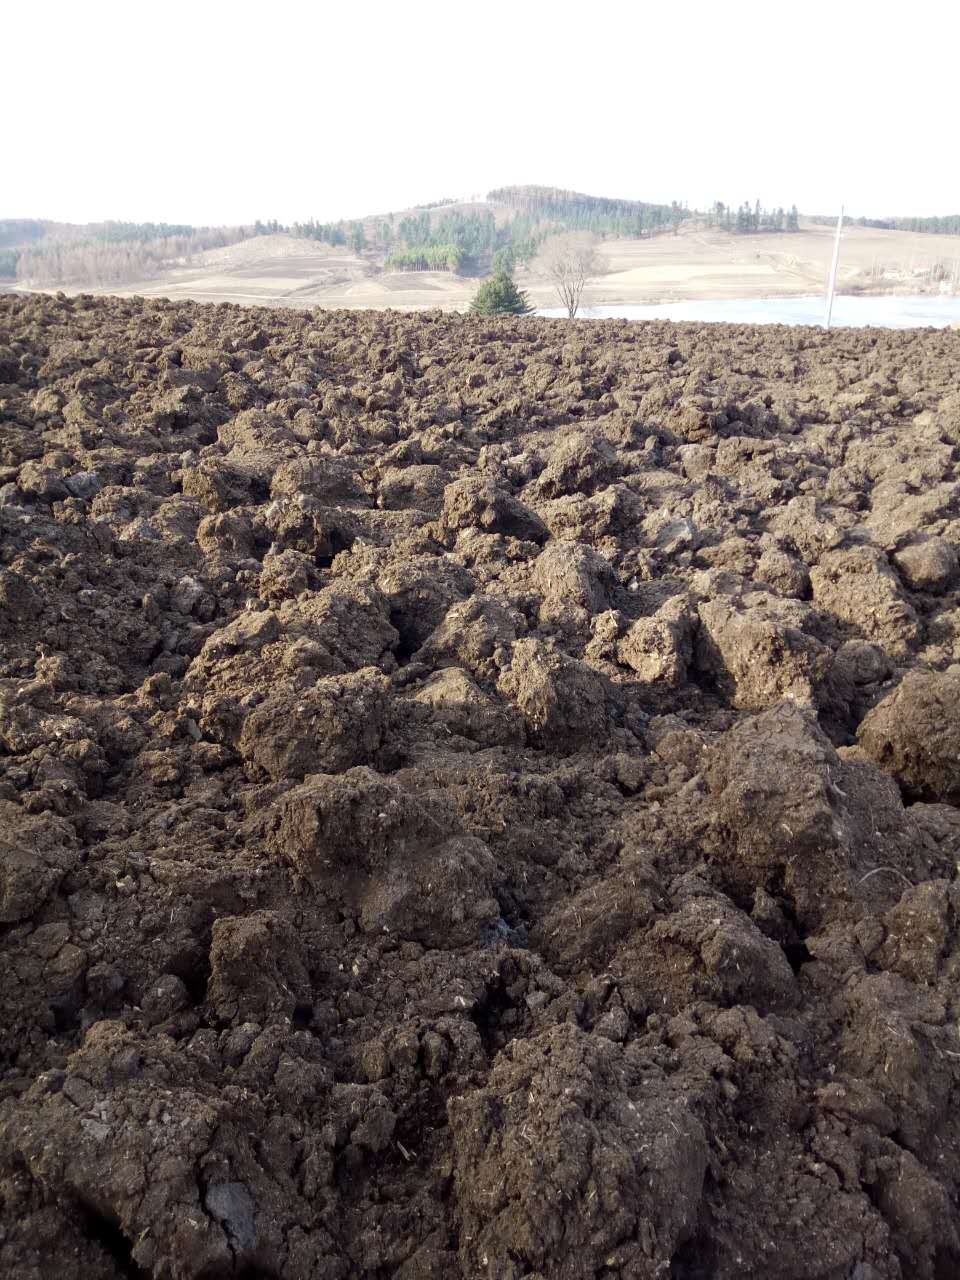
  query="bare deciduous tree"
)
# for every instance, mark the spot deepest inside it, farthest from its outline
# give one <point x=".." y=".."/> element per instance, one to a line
<point x="569" y="261"/>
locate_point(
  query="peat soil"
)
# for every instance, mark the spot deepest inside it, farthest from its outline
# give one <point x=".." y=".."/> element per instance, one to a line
<point x="477" y="798"/>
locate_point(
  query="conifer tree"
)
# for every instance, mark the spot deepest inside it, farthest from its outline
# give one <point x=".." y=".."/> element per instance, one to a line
<point x="504" y="261"/>
<point x="499" y="296"/>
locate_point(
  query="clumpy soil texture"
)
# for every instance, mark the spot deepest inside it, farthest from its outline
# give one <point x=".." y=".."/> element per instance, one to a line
<point x="477" y="798"/>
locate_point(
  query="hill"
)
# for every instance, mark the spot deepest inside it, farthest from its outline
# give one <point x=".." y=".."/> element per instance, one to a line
<point x="283" y="270"/>
<point x="433" y="255"/>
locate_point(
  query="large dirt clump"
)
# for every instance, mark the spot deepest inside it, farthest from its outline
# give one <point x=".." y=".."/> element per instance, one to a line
<point x="478" y="798"/>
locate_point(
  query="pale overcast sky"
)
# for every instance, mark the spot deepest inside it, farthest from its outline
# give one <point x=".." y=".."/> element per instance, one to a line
<point x="210" y="112"/>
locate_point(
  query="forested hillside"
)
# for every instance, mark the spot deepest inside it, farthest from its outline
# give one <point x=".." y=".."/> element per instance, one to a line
<point x="45" y="254"/>
<point x="514" y="222"/>
<point x="555" y="208"/>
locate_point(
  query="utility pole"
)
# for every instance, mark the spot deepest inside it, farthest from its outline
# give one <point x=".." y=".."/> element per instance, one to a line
<point x="831" y="288"/>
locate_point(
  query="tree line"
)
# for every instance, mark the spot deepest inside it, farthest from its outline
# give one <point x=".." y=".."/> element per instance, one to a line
<point x="432" y="257"/>
<point x="566" y="210"/>
<point x="752" y="219"/>
<point x="948" y="225"/>
<point x="111" y="253"/>
<point x="337" y="234"/>
<point x="140" y="232"/>
<point x="15" y="232"/>
<point x="436" y="204"/>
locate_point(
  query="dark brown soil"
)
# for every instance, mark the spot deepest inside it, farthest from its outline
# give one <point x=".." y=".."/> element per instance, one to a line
<point x="477" y="799"/>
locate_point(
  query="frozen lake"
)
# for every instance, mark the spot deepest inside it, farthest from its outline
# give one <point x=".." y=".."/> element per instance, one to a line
<point x="883" y="312"/>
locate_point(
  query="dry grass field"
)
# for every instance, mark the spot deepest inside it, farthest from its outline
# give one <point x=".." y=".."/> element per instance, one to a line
<point x="714" y="264"/>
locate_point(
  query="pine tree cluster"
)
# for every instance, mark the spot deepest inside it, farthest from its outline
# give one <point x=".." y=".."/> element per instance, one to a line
<point x="752" y="220"/>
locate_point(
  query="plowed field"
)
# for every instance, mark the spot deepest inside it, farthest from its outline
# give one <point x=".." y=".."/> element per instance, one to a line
<point x="477" y="798"/>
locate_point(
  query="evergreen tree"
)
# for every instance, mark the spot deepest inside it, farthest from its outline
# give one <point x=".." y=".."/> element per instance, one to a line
<point x="499" y="296"/>
<point x="504" y="261"/>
